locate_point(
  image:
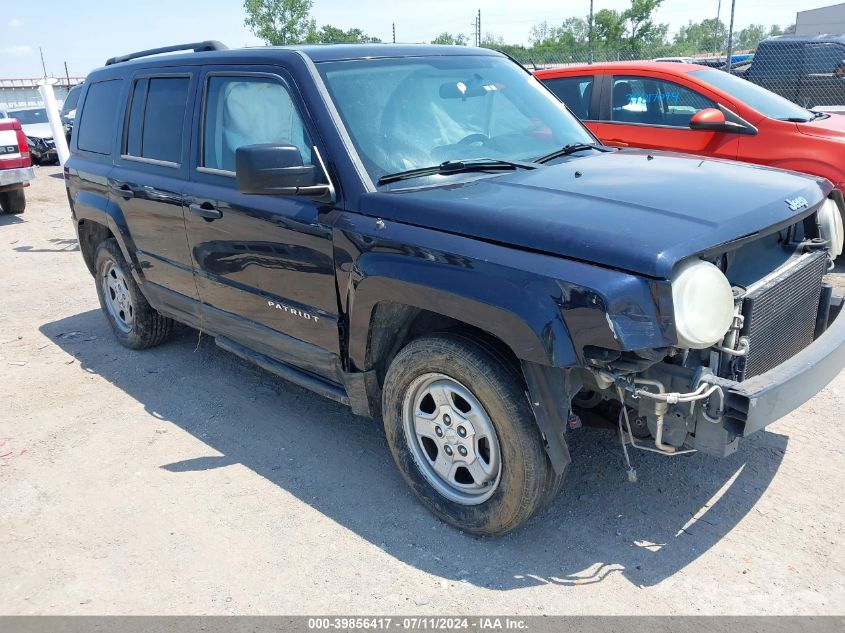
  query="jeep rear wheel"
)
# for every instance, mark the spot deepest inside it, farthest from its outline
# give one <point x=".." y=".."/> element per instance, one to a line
<point x="13" y="201"/>
<point x="134" y="322"/>
<point x="463" y="436"/>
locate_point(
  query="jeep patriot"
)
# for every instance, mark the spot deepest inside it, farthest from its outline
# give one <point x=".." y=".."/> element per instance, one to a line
<point x="428" y="236"/>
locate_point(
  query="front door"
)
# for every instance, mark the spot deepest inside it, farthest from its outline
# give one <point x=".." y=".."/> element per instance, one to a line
<point x="654" y="113"/>
<point x="264" y="263"/>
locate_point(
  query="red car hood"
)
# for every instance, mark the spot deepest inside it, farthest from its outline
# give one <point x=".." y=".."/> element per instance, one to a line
<point x="831" y="127"/>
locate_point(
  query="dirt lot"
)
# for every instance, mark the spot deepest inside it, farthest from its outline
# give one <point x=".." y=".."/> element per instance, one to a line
<point x="182" y="480"/>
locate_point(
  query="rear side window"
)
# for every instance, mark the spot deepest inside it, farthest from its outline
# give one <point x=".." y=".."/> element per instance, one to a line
<point x="247" y="111"/>
<point x="156" y="118"/>
<point x="98" y="120"/>
<point x="575" y="92"/>
<point x="822" y="59"/>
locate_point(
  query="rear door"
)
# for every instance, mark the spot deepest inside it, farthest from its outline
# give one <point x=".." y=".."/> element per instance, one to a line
<point x="653" y="112"/>
<point x="148" y="180"/>
<point x="264" y="263"/>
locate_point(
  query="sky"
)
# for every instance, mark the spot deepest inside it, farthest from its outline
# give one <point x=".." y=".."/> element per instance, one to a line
<point x="85" y="33"/>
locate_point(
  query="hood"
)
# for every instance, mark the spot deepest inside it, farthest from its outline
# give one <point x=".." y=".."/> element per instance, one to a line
<point x="632" y="210"/>
<point x="38" y="130"/>
<point x="832" y="126"/>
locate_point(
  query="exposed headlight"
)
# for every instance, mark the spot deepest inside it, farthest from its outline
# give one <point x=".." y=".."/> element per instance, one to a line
<point x="830" y="227"/>
<point x="704" y="304"/>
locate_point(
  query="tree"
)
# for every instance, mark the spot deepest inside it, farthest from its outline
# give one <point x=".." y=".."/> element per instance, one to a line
<point x="458" y="39"/>
<point x="329" y="34"/>
<point x="279" y="22"/>
<point x="777" y="30"/>
<point x="707" y="36"/>
<point x="609" y="29"/>
<point x="497" y="43"/>
<point x="750" y="36"/>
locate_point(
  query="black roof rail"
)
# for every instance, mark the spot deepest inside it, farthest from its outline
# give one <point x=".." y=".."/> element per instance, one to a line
<point x="197" y="47"/>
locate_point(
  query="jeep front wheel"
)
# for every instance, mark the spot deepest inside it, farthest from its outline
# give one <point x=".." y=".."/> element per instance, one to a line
<point x="134" y="322"/>
<point x="463" y="436"/>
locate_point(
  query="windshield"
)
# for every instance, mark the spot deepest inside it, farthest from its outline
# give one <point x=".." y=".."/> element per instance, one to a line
<point x="765" y="102"/>
<point x="71" y="99"/>
<point x="36" y="115"/>
<point x="416" y="112"/>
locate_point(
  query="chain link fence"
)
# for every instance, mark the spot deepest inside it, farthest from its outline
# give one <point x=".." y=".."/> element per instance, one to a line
<point x="808" y="71"/>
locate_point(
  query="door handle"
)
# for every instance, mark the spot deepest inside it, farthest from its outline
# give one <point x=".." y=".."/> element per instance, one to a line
<point x="124" y="191"/>
<point x="206" y="210"/>
<point x="617" y="142"/>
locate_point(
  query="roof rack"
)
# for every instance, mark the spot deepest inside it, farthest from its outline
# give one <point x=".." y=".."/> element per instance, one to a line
<point x="197" y="47"/>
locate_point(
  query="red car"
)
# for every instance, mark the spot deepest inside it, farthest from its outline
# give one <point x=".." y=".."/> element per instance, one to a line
<point x="698" y="110"/>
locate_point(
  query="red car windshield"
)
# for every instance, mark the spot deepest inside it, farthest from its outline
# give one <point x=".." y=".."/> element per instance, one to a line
<point x="765" y="102"/>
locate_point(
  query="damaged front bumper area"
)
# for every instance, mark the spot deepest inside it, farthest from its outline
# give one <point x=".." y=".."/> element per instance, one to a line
<point x="685" y="410"/>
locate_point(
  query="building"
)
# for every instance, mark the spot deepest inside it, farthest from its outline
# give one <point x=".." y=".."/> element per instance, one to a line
<point x="24" y="92"/>
<point x="823" y="21"/>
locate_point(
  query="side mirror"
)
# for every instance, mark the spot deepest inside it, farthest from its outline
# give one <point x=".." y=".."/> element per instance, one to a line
<point x="720" y="120"/>
<point x="275" y="169"/>
<point x="709" y="119"/>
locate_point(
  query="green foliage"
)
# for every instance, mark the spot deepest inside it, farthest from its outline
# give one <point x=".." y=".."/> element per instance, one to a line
<point x="279" y="22"/>
<point x="459" y="39"/>
<point x="749" y="37"/>
<point x="707" y="36"/>
<point x="329" y="34"/>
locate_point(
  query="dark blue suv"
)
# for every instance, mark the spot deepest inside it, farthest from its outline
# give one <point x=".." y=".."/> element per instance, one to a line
<point x="427" y="235"/>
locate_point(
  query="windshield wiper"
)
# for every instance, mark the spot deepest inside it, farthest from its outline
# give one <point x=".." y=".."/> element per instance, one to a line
<point x="571" y="148"/>
<point x="456" y="167"/>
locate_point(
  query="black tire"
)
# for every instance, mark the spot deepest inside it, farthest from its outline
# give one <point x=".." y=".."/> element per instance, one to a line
<point x="149" y="328"/>
<point x="527" y="481"/>
<point x="13" y="201"/>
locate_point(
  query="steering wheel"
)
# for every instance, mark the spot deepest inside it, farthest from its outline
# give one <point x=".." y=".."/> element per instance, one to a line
<point x="474" y="138"/>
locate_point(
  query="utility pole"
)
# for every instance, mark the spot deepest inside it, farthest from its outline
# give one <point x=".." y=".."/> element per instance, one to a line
<point x="716" y="28"/>
<point x="478" y="28"/>
<point x="590" y="58"/>
<point x="67" y="76"/>
<point x="394" y="32"/>
<point x="730" y="38"/>
<point x="43" y="65"/>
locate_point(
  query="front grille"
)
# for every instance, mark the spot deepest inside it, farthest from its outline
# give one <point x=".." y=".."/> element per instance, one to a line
<point x="780" y="315"/>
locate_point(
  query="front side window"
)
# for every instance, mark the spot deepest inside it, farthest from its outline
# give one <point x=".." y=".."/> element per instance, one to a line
<point x="247" y="110"/>
<point x="415" y="112"/>
<point x="648" y="101"/>
<point x="157" y="118"/>
<point x="575" y="92"/>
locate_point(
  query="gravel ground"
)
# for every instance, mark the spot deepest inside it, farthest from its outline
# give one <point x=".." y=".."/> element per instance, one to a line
<point x="181" y="480"/>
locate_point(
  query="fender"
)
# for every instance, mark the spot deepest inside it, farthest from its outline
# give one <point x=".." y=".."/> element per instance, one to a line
<point x="94" y="206"/>
<point x="547" y="309"/>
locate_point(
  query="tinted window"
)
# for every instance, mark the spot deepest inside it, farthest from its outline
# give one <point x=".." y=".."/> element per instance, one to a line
<point x="156" y="118"/>
<point x="822" y="59"/>
<point x="575" y="92"/>
<point x="98" y="121"/>
<point x="248" y="111"/>
<point x="650" y="101"/>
